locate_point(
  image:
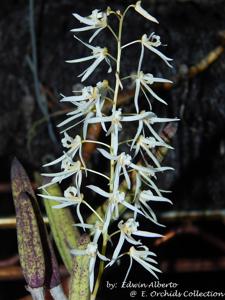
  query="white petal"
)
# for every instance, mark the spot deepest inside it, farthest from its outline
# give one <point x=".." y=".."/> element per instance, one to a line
<point x="162" y="120"/>
<point x="160" y="54"/>
<point x="55" y="198"/>
<point x="137" y="91"/>
<point x="91" y="272"/>
<point x="162" y="169"/>
<point x="88" y="226"/>
<point x="150" y="213"/>
<point x="128" y="271"/>
<point x="102" y="257"/>
<point x="69" y="119"/>
<point x="140" y="127"/>
<point x="141" y="58"/>
<point x="85" y="44"/>
<point x="153" y="93"/>
<point x="115" y="139"/>
<point x="79" y="215"/>
<point x="92" y="68"/>
<point x="144" y="13"/>
<point x="118" y="247"/>
<point x="159" y="199"/>
<point x="84" y="20"/>
<point x="85" y="124"/>
<point x="151" y="260"/>
<point x="131" y="43"/>
<point x="107" y="220"/>
<point x="78" y="252"/>
<point x="127" y="178"/>
<point x="132" y="241"/>
<point x="132" y="118"/>
<point x="157" y="79"/>
<point x="154" y="159"/>
<point x="148" y="267"/>
<point x="73" y="98"/>
<point x="131" y="207"/>
<point x="59" y="174"/>
<point x="147" y="98"/>
<point x="157" y="137"/>
<point x="100" y="119"/>
<point x="82" y="29"/>
<point x="106" y="154"/>
<point x="56" y="161"/>
<point x="98" y="190"/>
<point x="147" y="234"/>
<point x="63" y="205"/>
<point x="80" y="59"/>
<point x="95" y="34"/>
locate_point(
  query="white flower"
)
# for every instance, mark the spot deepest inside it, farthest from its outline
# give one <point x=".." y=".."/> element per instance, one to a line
<point x="73" y="145"/>
<point x="144" y="13"/>
<point x="84" y="108"/>
<point x="92" y="251"/>
<point x="146" y="144"/>
<point x="152" y="42"/>
<point x="97" y="20"/>
<point x="142" y="257"/>
<point x="148" y="119"/>
<point x="144" y="176"/>
<point x="142" y="83"/>
<point x="114" y="199"/>
<point x="122" y="161"/>
<point x="141" y="202"/>
<point x="91" y="99"/>
<point x="70" y="168"/>
<point x="87" y="93"/>
<point x="98" y="53"/>
<point x="72" y="196"/>
<point x="127" y="229"/>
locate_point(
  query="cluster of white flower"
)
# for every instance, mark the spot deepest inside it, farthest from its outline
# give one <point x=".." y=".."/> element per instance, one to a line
<point x="89" y="103"/>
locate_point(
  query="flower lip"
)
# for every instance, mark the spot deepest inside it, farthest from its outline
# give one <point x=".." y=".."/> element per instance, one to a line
<point x="129" y="227"/>
<point x="153" y="39"/>
<point x="124" y="159"/>
<point x="92" y="249"/>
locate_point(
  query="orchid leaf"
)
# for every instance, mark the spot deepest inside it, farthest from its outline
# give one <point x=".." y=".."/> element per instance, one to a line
<point x="30" y="246"/>
<point x="37" y="257"/>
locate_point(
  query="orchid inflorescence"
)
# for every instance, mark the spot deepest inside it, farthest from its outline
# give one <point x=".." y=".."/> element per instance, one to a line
<point x="138" y="177"/>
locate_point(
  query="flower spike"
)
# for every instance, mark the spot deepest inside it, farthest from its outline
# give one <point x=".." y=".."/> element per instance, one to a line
<point x="130" y="182"/>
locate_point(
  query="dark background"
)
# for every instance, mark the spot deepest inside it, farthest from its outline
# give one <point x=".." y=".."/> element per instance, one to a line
<point x="194" y="257"/>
